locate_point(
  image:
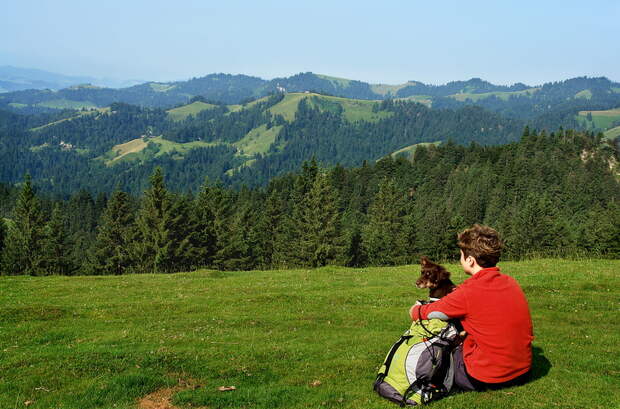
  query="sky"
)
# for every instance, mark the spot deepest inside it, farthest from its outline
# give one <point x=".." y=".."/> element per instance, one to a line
<point x="390" y="42"/>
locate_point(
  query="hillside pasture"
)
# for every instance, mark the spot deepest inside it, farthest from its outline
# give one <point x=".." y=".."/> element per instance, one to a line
<point x="353" y="109"/>
<point x="612" y="133"/>
<point x="600" y="119"/>
<point x="391" y="90"/>
<point x="79" y="114"/>
<point x="182" y="112"/>
<point x="288" y="106"/>
<point x="285" y="339"/>
<point x="161" y="87"/>
<point x="124" y="149"/>
<point x="409" y="151"/>
<point x="141" y="149"/>
<point x="66" y="104"/>
<point x="258" y="140"/>
<point x="586" y="93"/>
<point x="336" y="81"/>
<point x="420" y="99"/>
<point x="504" y="95"/>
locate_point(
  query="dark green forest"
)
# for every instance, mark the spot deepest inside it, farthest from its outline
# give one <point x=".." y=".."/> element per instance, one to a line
<point x="553" y="194"/>
<point x="64" y="154"/>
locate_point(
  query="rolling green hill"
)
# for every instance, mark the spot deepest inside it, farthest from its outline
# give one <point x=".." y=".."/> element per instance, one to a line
<point x="254" y="140"/>
<point x="518" y="100"/>
<point x="284" y="338"/>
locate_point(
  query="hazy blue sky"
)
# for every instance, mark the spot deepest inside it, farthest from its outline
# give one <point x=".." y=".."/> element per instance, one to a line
<point x="503" y="41"/>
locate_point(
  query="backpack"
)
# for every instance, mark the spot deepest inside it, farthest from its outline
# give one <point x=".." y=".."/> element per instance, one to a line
<point x="419" y="366"/>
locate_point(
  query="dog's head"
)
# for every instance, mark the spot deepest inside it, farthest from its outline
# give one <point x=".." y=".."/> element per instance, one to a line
<point x="431" y="274"/>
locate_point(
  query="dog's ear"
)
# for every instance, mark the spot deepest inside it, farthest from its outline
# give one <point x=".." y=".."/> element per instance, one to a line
<point x="444" y="274"/>
<point x="424" y="261"/>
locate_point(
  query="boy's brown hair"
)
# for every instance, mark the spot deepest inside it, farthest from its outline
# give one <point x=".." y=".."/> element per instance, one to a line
<point x="482" y="243"/>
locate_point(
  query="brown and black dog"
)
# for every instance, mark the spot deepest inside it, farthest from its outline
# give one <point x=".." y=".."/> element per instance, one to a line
<point x="436" y="278"/>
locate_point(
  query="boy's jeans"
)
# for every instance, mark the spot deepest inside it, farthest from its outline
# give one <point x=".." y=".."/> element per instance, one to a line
<point x="467" y="383"/>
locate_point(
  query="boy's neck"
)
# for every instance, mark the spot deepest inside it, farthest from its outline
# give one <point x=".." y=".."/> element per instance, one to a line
<point x="476" y="269"/>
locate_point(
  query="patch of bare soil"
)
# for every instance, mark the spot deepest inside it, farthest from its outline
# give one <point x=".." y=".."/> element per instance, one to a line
<point x="161" y="398"/>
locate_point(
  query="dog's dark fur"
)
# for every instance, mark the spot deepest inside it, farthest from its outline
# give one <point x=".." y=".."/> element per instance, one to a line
<point x="436" y="278"/>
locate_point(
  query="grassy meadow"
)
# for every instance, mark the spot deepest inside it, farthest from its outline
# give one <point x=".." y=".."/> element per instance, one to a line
<point x="285" y="339"/>
<point x="182" y="112"/>
<point x="600" y="119"/>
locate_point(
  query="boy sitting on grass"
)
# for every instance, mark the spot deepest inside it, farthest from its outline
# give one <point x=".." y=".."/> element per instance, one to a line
<point x="492" y="308"/>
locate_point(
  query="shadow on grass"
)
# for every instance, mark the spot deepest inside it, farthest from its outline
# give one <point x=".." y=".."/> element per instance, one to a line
<point x="540" y="364"/>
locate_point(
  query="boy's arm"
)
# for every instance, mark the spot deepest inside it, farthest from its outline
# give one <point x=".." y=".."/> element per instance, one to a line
<point x="453" y="305"/>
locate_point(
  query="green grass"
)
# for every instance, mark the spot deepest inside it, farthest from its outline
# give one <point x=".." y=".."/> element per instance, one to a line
<point x="385" y="89"/>
<point x="601" y="119"/>
<point x="157" y="87"/>
<point x="166" y="146"/>
<point x="409" y="151"/>
<point x="181" y="113"/>
<point x="103" y="342"/>
<point x="39" y="148"/>
<point x="353" y="109"/>
<point x="258" y="140"/>
<point x="105" y="110"/>
<point x="288" y="106"/>
<point x="339" y="82"/>
<point x="420" y="99"/>
<point x="143" y="149"/>
<point x="586" y="93"/>
<point x="17" y="105"/>
<point x="505" y="95"/>
<point x="612" y="133"/>
<point x="66" y="104"/>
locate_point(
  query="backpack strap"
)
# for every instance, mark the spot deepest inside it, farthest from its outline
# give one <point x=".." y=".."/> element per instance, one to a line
<point x="429" y="392"/>
<point x="388" y="360"/>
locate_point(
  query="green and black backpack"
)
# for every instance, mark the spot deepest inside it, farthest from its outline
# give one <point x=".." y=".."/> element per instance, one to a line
<point x="419" y="367"/>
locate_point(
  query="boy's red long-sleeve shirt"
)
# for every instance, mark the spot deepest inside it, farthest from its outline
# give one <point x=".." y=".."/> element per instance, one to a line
<point x="494" y="312"/>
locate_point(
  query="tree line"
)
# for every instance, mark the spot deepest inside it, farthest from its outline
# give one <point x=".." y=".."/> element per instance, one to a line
<point x="554" y="194"/>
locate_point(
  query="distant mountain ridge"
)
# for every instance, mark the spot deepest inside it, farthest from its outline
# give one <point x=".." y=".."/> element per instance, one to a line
<point x="234" y="89"/>
<point x="18" y="79"/>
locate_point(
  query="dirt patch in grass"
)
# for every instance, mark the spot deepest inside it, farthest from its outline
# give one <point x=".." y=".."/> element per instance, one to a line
<point x="162" y="398"/>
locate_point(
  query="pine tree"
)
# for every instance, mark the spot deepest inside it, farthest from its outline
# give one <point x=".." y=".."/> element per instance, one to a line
<point x="292" y="231"/>
<point x="236" y="244"/>
<point x="321" y="241"/>
<point x="22" y="254"/>
<point x="162" y="241"/>
<point x="55" y="250"/>
<point x="215" y="211"/>
<point x="532" y="229"/>
<point x="383" y="237"/>
<point x="111" y="253"/>
<point x="205" y="245"/>
<point x="269" y="234"/>
<point x="601" y="231"/>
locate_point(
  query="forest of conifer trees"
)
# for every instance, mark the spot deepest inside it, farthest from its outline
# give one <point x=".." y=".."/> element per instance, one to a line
<point x="554" y="194"/>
